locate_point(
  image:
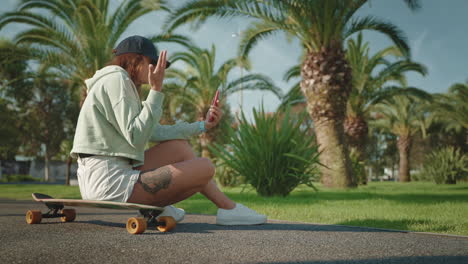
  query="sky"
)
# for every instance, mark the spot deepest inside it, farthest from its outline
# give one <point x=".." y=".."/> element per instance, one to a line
<point x="437" y="34"/>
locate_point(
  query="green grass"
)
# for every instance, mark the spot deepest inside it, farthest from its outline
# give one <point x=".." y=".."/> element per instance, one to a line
<point x="417" y="206"/>
<point x="424" y="207"/>
<point x="24" y="191"/>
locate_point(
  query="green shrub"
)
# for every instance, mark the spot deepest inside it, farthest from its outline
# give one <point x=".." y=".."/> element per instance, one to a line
<point x="418" y="176"/>
<point x="18" y="178"/>
<point x="359" y="169"/>
<point x="446" y="165"/>
<point x="225" y="176"/>
<point x="274" y="155"/>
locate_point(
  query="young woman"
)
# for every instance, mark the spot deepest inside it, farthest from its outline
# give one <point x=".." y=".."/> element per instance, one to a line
<point x="114" y="127"/>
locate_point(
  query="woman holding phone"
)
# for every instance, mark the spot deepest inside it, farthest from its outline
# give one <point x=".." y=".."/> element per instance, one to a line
<point x="114" y="127"/>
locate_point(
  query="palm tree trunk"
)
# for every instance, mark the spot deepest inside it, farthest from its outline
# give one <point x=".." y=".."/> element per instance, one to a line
<point x="404" y="147"/>
<point x="326" y="84"/>
<point x="204" y="142"/>
<point x="356" y="130"/>
<point x="334" y="155"/>
<point x="206" y="138"/>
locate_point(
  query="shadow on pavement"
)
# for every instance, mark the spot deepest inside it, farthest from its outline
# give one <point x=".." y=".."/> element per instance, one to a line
<point x="402" y="260"/>
<point x="203" y="228"/>
<point x="401" y="224"/>
<point x="206" y="228"/>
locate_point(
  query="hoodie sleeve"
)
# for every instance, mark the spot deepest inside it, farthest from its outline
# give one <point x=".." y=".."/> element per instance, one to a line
<point x="133" y="119"/>
<point x="181" y="130"/>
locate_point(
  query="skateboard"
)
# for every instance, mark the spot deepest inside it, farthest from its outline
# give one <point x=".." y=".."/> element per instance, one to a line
<point x="148" y="215"/>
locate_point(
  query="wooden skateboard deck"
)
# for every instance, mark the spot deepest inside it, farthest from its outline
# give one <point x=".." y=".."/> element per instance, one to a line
<point x="39" y="197"/>
<point x="135" y="225"/>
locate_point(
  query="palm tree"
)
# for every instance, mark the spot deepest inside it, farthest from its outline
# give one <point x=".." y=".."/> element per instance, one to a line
<point x="370" y="74"/>
<point x="321" y="27"/>
<point x="450" y="118"/>
<point x="368" y="89"/>
<point x="192" y="89"/>
<point x="15" y="92"/>
<point x="47" y="113"/>
<point x="403" y="116"/>
<point x="453" y="106"/>
<point x="15" y="73"/>
<point x="77" y="36"/>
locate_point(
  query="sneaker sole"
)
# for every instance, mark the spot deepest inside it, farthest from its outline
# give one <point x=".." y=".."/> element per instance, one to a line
<point x="238" y="222"/>
<point x="181" y="219"/>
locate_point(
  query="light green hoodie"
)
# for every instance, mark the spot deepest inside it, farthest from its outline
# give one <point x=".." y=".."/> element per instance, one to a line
<point x="114" y="122"/>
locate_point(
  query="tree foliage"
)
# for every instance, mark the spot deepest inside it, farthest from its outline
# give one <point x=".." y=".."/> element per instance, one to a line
<point x="192" y="88"/>
<point x="273" y="154"/>
<point x="446" y="165"/>
<point x="77" y="36"/>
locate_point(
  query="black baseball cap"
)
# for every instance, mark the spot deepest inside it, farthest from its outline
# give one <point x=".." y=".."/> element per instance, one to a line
<point x="140" y="45"/>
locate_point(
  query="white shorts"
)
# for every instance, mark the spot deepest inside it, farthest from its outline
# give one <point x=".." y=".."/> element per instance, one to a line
<point x="106" y="178"/>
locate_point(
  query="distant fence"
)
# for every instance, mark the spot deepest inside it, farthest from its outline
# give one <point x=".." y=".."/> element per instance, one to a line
<point x="36" y="169"/>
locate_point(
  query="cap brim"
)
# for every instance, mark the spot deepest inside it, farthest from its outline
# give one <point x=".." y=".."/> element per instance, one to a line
<point x="168" y="63"/>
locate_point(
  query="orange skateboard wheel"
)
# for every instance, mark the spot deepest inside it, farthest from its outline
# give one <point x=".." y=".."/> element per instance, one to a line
<point x="33" y="217"/>
<point x="70" y="215"/>
<point x="136" y="225"/>
<point x="169" y="223"/>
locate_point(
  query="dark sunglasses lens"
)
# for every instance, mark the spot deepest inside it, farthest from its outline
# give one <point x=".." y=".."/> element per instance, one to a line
<point x="154" y="62"/>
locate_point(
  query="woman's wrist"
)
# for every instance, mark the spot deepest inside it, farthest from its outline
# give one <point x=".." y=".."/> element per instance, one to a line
<point x="202" y="125"/>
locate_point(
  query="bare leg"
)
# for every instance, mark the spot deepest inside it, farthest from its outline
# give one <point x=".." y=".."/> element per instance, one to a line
<point x="212" y="192"/>
<point x="178" y="152"/>
<point x="172" y="183"/>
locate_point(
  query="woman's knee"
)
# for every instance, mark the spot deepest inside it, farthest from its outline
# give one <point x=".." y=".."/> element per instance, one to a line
<point x="208" y="168"/>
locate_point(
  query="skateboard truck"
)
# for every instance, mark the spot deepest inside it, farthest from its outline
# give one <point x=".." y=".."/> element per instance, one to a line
<point x="53" y="211"/>
<point x="152" y="215"/>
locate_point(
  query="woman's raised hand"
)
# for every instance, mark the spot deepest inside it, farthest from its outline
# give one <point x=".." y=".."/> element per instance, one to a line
<point x="217" y="114"/>
<point x="156" y="72"/>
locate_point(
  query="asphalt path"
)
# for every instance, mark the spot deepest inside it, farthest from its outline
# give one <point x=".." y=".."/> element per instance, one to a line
<point x="99" y="236"/>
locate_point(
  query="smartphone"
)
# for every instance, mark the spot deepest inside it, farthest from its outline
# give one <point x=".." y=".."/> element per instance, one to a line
<point x="215" y="103"/>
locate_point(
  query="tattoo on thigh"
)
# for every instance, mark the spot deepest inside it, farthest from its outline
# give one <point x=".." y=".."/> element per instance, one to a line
<point x="156" y="180"/>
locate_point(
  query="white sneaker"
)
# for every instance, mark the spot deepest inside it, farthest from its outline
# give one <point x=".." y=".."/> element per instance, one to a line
<point x="177" y="213"/>
<point x="240" y="215"/>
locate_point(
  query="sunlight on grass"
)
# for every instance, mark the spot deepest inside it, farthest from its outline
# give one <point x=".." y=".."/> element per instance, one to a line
<point x="417" y="206"/>
<point x="24" y="191"/>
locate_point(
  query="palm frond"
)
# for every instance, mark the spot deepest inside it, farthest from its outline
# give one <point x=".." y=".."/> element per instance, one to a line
<point x="293" y="72"/>
<point x="413" y="4"/>
<point x="172" y="38"/>
<point x="253" y="35"/>
<point x="227" y="67"/>
<point x="391" y="91"/>
<point x="293" y="97"/>
<point x="387" y="28"/>
<point x="62" y="9"/>
<point x="188" y="57"/>
<point x="253" y="82"/>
